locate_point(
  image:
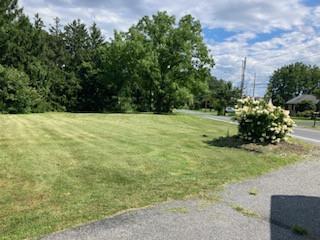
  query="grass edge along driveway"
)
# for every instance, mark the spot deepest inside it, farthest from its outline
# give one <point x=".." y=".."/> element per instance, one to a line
<point x="58" y="170"/>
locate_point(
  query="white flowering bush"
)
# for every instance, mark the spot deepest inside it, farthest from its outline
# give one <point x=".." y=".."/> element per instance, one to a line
<point x="261" y="122"/>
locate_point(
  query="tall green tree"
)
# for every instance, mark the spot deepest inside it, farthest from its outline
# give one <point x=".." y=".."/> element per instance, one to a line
<point x="114" y="76"/>
<point x="222" y="94"/>
<point x="57" y="46"/>
<point x="90" y="94"/>
<point x="76" y="43"/>
<point x="89" y="70"/>
<point x="292" y="80"/>
<point x="96" y="39"/>
<point x="176" y="57"/>
<point x="64" y="85"/>
<point x="76" y="40"/>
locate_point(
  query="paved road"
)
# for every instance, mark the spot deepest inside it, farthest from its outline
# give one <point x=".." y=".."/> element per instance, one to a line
<point x="299" y="132"/>
<point x="282" y="199"/>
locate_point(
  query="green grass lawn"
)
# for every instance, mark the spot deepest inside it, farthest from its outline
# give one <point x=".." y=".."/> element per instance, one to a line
<point x="307" y="123"/>
<point x="58" y="170"/>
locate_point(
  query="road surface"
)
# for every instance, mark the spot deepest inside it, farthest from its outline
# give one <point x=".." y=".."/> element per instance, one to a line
<point x="306" y="134"/>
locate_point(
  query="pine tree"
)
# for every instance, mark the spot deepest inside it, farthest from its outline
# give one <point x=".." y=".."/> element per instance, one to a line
<point x="77" y="43"/>
<point x="57" y="45"/>
<point x="9" y="11"/>
<point x="95" y="39"/>
<point x="38" y="22"/>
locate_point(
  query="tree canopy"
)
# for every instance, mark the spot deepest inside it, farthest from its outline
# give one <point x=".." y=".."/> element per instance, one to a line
<point x="220" y="95"/>
<point x="292" y="80"/>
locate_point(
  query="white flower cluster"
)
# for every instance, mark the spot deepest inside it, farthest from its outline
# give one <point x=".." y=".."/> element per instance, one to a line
<point x="262" y="122"/>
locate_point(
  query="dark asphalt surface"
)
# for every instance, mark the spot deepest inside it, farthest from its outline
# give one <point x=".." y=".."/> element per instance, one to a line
<point x="307" y="134"/>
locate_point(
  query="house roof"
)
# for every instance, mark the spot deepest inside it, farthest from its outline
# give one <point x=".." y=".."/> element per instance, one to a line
<point x="304" y="97"/>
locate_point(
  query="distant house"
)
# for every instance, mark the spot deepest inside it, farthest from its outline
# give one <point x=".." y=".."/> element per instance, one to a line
<point x="292" y="103"/>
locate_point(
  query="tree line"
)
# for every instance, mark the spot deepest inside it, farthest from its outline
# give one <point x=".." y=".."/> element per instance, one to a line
<point x="160" y="63"/>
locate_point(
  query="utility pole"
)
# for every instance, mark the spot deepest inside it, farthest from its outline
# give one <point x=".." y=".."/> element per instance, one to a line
<point x="254" y="85"/>
<point x="243" y="72"/>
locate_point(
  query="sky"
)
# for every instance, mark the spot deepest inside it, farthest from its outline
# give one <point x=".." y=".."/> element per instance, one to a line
<point x="270" y="33"/>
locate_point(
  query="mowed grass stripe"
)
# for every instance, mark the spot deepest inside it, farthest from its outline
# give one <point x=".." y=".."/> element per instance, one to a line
<point x="58" y="170"/>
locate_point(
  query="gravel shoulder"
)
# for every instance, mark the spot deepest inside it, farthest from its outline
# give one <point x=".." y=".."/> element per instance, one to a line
<point x="271" y="207"/>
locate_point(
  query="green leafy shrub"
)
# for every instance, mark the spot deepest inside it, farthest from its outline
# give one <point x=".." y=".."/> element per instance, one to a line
<point x="305" y="114"/>
<point x="16" y="96"/>
<point x="262" y="122"/>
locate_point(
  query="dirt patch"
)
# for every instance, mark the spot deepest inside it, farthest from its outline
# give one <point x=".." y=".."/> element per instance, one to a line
<point x="282" y="147"/>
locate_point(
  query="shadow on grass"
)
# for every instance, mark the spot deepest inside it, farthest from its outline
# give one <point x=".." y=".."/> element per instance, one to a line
<point x="235" y="142"/>
<point x="229" y="141"/>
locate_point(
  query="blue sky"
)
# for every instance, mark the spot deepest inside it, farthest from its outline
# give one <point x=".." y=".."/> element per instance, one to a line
<point x="271" y="33"/>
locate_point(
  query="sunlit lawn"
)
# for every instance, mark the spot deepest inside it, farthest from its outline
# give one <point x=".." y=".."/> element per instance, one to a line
<point x="58" y="170"/>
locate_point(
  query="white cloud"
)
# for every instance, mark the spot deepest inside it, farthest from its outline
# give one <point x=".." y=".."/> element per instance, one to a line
<point x="240" y="15"/>
<point x="265" y="57"/>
